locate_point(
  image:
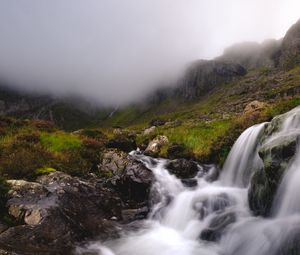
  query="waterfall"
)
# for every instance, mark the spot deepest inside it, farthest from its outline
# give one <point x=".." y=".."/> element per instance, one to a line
<point x="243" y="158"/>
<point x="287" y="200"/>
<point x="214" y="218"/>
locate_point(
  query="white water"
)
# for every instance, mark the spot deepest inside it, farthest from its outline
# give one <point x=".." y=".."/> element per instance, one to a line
<point x="174" y="228"/>
<point x="242" y="158"/>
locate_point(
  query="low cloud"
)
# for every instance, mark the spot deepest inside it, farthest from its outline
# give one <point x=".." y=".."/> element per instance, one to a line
<point x="115" y="51"/>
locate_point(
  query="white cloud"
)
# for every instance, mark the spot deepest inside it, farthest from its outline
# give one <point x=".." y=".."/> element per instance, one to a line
<point x="114" y="51"/>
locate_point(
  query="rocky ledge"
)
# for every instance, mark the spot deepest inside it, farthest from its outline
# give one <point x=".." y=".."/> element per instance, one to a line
<point x="56" y="211"/>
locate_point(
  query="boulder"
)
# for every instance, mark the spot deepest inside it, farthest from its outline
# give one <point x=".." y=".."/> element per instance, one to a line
<point x="279" y="145"/>
<point x="129" y="177"/>
<point x="183" y="168"/>
<point x="254" y="107"/>
<point x="276" y="156"/>
<point x="55" y="212"/>
<point x="155" y="145"/>
<point x="217" y="226"/>
<point x="149" y="130"/>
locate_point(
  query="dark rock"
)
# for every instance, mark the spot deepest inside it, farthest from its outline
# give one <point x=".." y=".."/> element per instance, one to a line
<point x="277" y="152"/>
<point x="130" y="215"/>
<point x="205" y="75"/>
<point x="217" y="204"/>
<point x="3" y="227"/>
<point x="157" y="122"/>
<point x="176" y="150"/>
<point x="217" y="226"/>
<point x="129" y="177"/>
<point x="122" y="142"/>
<point x="183" y="168"/>
<point x="276" y="156"/>
<point x="290" y="50"/>
<point x="57" y="211"/>
<point x="190" y="183"/>
<point x="253" y="55"/>
<point x="134" y="183"/>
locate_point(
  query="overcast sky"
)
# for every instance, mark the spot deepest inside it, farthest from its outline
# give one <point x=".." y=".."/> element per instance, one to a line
<point x="114" y="51"/>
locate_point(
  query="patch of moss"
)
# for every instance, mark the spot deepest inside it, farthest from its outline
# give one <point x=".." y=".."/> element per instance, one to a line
<point x="58" y="142"/>
<point x="45" y="170"/>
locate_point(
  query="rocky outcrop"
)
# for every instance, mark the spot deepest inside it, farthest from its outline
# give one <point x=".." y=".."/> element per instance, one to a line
<point x="252" y="54"/>
<point x="56" y="211"/>
<point x="155" y="145"/>
<point x="130" y="178"/>
<point x="290" y="50"/>
<point x="182" y="168"/>
<point x="277" y="152"/>
<point x="203" y="76"/>
<point x="254" y="108"/>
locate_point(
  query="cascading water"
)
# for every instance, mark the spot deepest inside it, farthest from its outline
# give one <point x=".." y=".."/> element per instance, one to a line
<point x="243" y="158"/>
<point x="214" y="218"/>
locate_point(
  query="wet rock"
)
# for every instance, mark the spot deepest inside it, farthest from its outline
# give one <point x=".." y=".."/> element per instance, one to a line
<point x="217" y="204"/>
<point x="55" y="212"/>
<point x="217" y="226"/>
<point x="129" y="177"/>
<point x="190" y="183"/>
<point x="155" y="145"/>
<point x="112" y="164"/>
<point x="183" y="168"/>
<point x="3" y="227"/>
<point x="135" y="183"/>
<point x="276" y="156"/>
<point x="130" y="215"/>
<point x="277" y="152"/>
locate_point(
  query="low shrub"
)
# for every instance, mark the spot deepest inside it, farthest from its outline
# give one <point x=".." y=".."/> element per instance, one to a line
<point x="19" y="160"/>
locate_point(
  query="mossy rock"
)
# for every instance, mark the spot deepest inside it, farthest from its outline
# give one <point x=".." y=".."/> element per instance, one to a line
<point x="276" y="156"/>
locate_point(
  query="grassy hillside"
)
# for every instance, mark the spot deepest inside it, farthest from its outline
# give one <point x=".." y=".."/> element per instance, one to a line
<point x="202" y="125"/>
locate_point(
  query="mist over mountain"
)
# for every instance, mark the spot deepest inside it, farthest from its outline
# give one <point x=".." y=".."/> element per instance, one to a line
<point x="115" y="52"/>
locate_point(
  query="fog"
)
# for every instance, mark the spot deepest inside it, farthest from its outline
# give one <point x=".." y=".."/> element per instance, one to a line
<point x="116" y="51"/>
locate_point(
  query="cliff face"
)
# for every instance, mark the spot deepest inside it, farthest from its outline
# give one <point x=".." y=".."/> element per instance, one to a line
<point x="65" y="113"/>
<point x="290" y="50"/>
<point x="203" y="76"/>
<point x="252" y="55"/>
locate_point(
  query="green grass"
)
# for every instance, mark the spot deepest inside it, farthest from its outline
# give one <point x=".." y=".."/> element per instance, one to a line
<point x="58" y="142"/>
<point x="198" y="138"/>
<point x="45" y="170"/>
<point x="282" y="106"/>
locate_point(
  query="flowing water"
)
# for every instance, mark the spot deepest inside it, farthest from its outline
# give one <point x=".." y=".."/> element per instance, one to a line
<point x="214" y="218"/>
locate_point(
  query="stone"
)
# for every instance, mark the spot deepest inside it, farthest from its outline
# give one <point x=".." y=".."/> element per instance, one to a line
<point x="56" y="211"/>
<point x="183" y="168"/>
<point x="217" y="226"/>
<point x="149" y="130"/>
<point x="254" y="107"/>
<point x="155" y="145"/>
